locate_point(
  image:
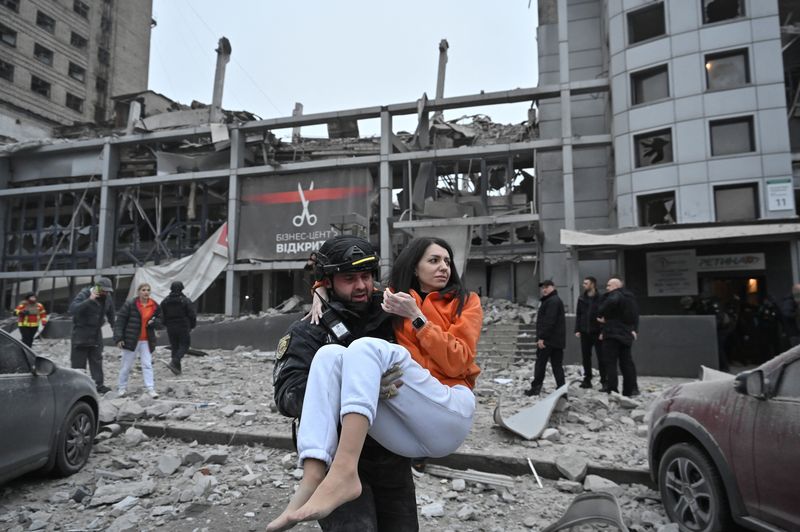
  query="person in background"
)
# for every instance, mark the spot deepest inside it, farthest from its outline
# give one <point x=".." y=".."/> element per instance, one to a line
<point x="90" y="309"/>
<point x="180" y="318"/>
<point x="551" y="334"/>
<point x="30" y="316"/>
<point x="587" y="329"/>
<point x="790" y="315"/>
<point x="619" y="314"/>
<point x="135" y="334"/>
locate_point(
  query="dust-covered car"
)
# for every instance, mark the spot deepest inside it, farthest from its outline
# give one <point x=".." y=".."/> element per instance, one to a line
<point x="728" y="451"/>
<point x="48" y="414"/>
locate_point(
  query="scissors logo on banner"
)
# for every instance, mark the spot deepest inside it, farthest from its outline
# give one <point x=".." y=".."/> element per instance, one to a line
<point x="297" y="221"/>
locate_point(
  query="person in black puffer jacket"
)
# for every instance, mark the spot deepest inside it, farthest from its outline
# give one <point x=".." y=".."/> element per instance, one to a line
<point x="90" y="309"/>
<point x="180" y="318"/>
<point x="134" y="333"/>
<point x="551" y="335"/>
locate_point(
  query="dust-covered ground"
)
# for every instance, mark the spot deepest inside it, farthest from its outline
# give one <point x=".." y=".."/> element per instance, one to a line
<point x="136" y="483"/>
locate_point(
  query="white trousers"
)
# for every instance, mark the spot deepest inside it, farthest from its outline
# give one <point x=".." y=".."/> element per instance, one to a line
<point x="129" y="357"/>
<point x="425" y="419"/>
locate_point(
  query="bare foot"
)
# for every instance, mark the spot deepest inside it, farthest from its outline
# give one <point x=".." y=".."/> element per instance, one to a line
<point x="300" y="497"/>
<point x="334" y="491"/>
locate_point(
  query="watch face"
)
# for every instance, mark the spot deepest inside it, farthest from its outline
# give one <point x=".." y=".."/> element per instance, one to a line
<point x="418" y="323"/>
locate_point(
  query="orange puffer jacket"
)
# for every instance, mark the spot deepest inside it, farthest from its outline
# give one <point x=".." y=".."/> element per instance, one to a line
<point x="447" y="344"/>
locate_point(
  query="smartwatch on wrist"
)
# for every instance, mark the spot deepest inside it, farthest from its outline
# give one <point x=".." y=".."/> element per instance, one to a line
<point x="419" y="322"/>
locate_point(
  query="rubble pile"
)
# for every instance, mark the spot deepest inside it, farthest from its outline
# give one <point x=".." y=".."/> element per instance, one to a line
<point x="133" y="482"/>
<point x="505" y="311"/>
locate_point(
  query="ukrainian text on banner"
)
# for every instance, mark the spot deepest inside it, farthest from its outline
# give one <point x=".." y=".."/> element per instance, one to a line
<point x="288" y="217"/>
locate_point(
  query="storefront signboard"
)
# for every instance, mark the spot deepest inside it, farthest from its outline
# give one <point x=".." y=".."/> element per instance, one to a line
<point x="732" y="261"/>
<point x="672" y="273"/>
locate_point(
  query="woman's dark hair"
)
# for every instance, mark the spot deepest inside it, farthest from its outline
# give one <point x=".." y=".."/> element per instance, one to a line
<point x="402" y="278"/>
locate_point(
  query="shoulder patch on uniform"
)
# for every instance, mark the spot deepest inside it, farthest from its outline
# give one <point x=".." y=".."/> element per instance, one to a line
<point x="283" y="345"/>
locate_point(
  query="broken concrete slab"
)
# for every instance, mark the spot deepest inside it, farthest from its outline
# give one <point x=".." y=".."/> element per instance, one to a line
<point x="531" y="422"/>
<point x="572" y="467"/>
<point x="112" y="493"/>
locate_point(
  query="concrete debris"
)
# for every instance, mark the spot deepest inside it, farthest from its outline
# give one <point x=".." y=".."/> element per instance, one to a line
<point x="671" y="527"/>
<point x="227" y="487"/>
<point x="572" y="467"/>
<point x="134" y="437"/>
<point x="130" y="411"/>
<point x="597" y="483"/>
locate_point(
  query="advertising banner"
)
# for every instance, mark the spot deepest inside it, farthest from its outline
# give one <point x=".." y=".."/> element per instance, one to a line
<point x="288" y="217"/>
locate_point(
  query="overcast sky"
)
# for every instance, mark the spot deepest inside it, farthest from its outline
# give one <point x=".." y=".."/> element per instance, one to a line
<point x="334" y="55"/>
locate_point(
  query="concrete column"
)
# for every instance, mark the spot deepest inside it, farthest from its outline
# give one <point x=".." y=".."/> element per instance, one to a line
<point x="385" y="193"/>
<point x="573" y="274"/>
<point x="232" y="282"/>
<point x="108" y="209"/>
<point x="266" y="290"/>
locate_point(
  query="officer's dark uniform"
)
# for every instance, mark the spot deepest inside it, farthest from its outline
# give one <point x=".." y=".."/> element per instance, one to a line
<point x="388" y="500"/>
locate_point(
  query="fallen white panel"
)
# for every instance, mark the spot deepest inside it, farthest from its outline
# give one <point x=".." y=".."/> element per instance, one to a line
<point x="710" y="374"/>
<point x="531" y="422"/>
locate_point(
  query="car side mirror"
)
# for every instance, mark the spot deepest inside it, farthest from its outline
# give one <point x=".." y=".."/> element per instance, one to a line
<point x="751" y="383"/>
<point x="44" y="367"/>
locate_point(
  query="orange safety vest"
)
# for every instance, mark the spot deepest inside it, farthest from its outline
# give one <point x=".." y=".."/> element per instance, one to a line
<point x="36" y="314"/>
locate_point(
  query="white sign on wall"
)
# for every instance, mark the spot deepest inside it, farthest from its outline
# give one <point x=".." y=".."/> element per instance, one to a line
<point x="780" y="194"/>
<point x="672" y="273"/>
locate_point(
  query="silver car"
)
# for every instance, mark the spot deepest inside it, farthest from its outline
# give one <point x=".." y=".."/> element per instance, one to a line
<point x="48" y="414"/>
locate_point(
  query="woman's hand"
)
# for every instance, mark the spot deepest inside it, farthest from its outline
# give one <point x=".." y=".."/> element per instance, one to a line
<point x="316" y="304"/>
<point x="400" y="304"/>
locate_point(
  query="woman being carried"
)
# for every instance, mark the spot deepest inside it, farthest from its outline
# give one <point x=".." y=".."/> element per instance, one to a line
<point x="437" y="327"/>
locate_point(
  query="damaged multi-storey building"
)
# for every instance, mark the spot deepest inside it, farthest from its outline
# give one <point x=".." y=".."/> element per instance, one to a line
<point x="659" y="145"/>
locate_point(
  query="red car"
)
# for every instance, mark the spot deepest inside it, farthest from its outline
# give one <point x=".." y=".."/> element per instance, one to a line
<point x="728" y="451"/>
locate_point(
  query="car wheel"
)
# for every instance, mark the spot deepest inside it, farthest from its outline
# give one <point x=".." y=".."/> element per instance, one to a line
<point x="691" y="490"/>
<point x="75" y="440"/>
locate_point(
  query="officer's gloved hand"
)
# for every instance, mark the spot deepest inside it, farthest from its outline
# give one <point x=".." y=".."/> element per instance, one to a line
<point x="390" y="382"/>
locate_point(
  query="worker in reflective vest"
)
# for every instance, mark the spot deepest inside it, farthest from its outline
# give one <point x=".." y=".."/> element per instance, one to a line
<point x="30" y="315"/>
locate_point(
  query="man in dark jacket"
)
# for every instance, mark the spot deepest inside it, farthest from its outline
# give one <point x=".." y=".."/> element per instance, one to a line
<point x="790" y="315"/>
<point x="180" y="318"/>
<point x="551" y="334"/>
<point x="346" y="266"/>
<point x="90" y="309"/>
<point x="619" y="314"/>
<point x="587" y="329"/>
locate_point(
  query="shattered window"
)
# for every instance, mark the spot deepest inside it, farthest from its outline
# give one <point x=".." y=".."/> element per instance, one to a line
<point x="77" y="72"/>
<point x="719" y="10"/>
<point x="646" y="23"/>
<point x="75" y="103"/>
<point x="40" y="86"/>
<point x="80" y="8"/>
<point x="653" y="148"/>
<point x="43" y="54"/>
<point x="6" y="71"/>
<point x="13" y="5"/>
<point x="78" y="41"/>
<point x="650" y="85"/>
<point x="736" y="203"/>
<point x="727" y="70"/>
<point x="45" y="22"/>
<point x="8" y="36"/>
<point x="732" y="135"/>
<point x="655" y="209"/>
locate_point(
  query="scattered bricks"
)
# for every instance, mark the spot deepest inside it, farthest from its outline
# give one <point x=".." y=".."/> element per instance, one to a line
<point x="217" y="457"/>
<point x="642" y="431"/>
<point x="244" y="417"/>
<point x="672" y="527"/>
<point x="289" y="461"/>
<point x="600" y="484"/>
<point x="530" y="521"/>
<point x="158" y="511"/>
<point x="569" y="486"/>
<point x="434" y="509"/>
<point x="119" y="463"/>
<point x="203" y="484"/>
<point x="107" y="412"/>
<point x="627" y="402"/>
<point x="260" y="458"/>
<point x="168" y="464"/>
<point x="116" y="475"/>
<point x="297" y="473"/>
<point x="459" y="484"/>
<point x="625" y="420"/>
<point x="595" y="426"/>
<point x="572" y="467"/>
<point x="158" y="410"/>
<point x="638" y="415"/>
